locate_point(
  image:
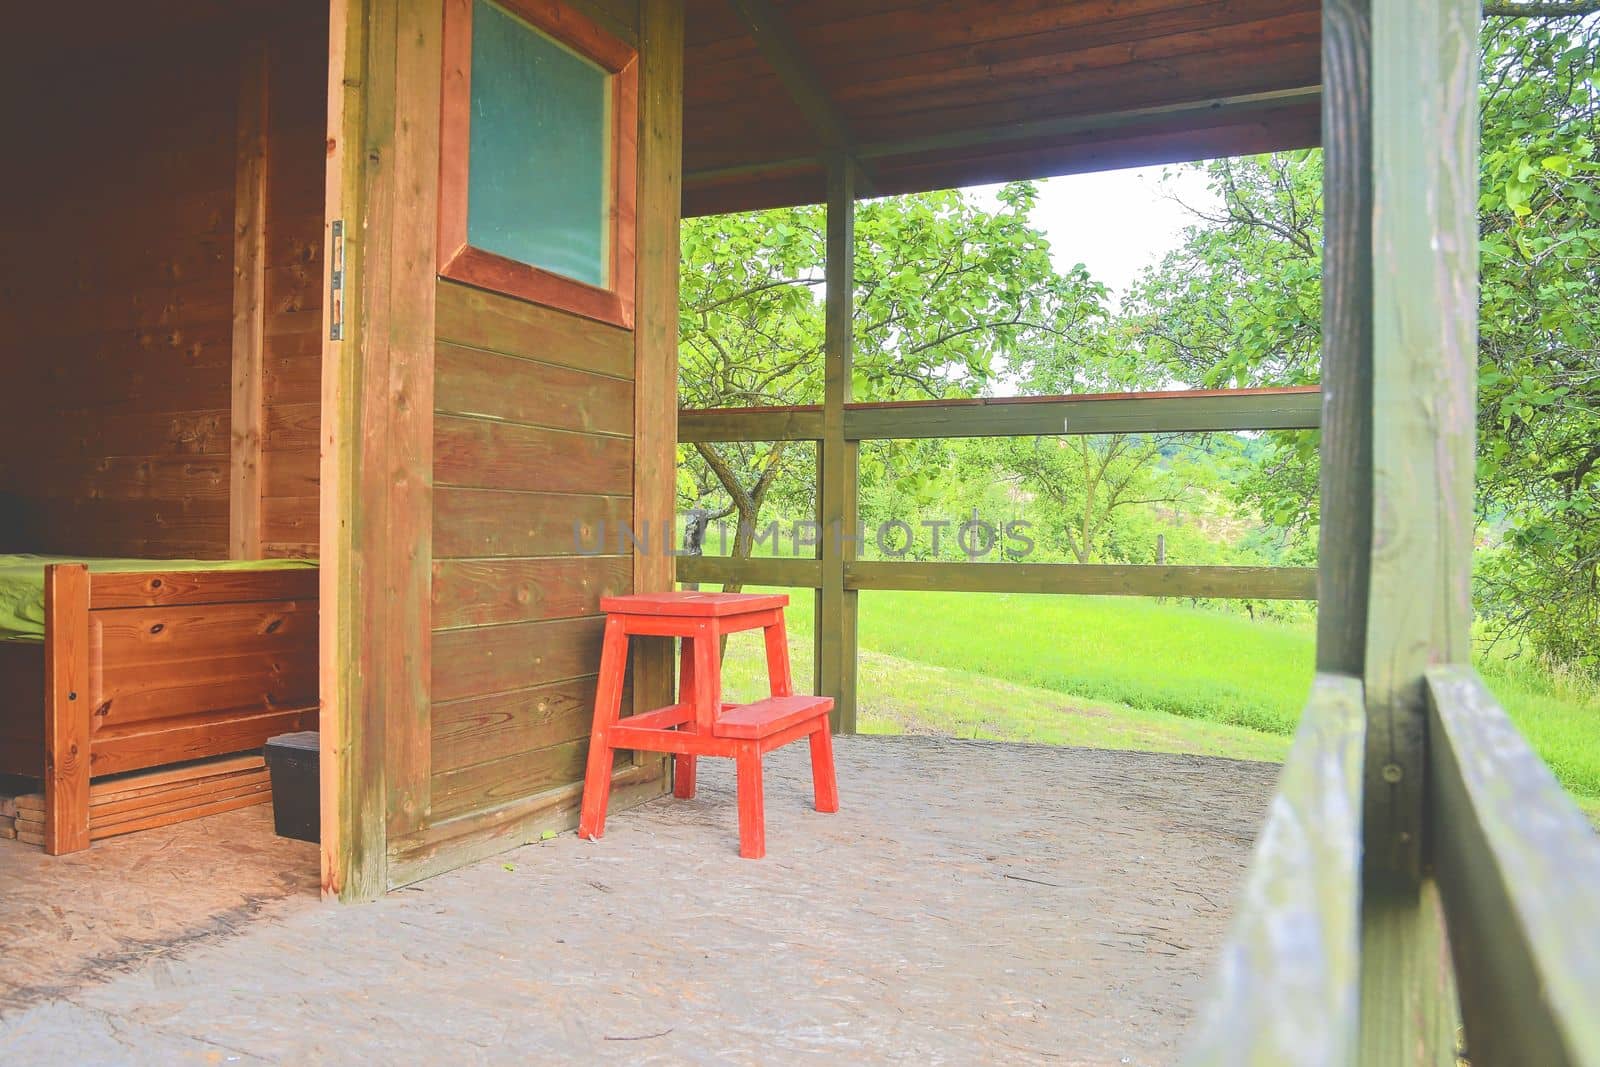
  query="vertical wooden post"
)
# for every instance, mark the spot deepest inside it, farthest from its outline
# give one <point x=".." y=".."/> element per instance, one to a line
<point x="1424" y="389"/>
<point x="248" y="433"/>
<point x="655" y="416"/>
<point x="361" y="65"/>
<point x="1399" y="377"/>
<point x="836" y="605"/>
<point x="400" y="408"/>
<point x="1346" y="534"/>
<point x="67" y="704"/>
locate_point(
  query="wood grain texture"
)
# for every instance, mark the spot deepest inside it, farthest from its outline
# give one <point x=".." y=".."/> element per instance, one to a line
<point x="490" y="385"/>
<point x="1189" y="411"/>
<point x="406" y="417"/>
<point x="133" y="589"/>
<point x="1287" y="987"/>
<point x="292" y="342"/>
<point x="159" y="742"/>
<point x="482" y="454"/>
<point x="476" y="835"/>
<point x="135" y="340"/>
<point x="361" y="51"/>
<point x="249" y="304"/>
<point x="1243" y="583"/>
<point x="1345" y="542"/>
<point x="480" y="729"/>
<point x="894" y="75"/>
<point x="802" y="573"/>
<point x="474" y="318"/>
<point x="803" y="423"/>
<point x="491" y="592"/>
<point x="837" y="482"/>
<point x="497" y="659"/>
<point x="488" y="523"/>
<point x="1424" y="364"/>
<point x="1200" y="411"/>
<point x="155" y="663"/>
<point x="549" y="430"/>
<point x="1516" y="866"/>
<point x="67" y="708"/>
<point x="492" y="784"/>
<point x="655" y="413"/>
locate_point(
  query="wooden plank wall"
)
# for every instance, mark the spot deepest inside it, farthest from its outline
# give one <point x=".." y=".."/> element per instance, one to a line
<point x="538" y="450"/>
<point x="117" y="306"/>
<point x="292" y="348"/>
<point x="533" y="437"/>
<point x="117" y="297"/>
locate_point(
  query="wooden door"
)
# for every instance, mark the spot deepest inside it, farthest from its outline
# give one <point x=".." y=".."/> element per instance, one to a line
<point x="487" y="443"/>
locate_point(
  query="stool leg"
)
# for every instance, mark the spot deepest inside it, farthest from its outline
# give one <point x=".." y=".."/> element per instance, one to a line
<point x="752" y="804"/>
<point x="607" y="705"/>
<point x="823" y="782"/>
<point x="779" y="676"/>
<point x="683" y="766"/>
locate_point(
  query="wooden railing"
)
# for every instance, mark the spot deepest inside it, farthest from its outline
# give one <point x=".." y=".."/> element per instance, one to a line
<point x="1514" y="868"/>
<point x="1191" y="411"/>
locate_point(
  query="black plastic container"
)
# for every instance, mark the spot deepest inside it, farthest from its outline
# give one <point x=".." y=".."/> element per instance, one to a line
<point x="293" y="761"/>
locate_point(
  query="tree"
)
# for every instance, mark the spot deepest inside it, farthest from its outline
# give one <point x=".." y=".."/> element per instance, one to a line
<point x="1090" y="481"/>
<point x="1239" y="304"/>
<point x="944" y="289"/>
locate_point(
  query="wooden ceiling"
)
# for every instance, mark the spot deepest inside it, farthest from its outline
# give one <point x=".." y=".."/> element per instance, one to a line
<point x="930" y="94"/>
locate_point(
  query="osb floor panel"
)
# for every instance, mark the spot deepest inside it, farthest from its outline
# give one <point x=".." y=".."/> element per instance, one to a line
<point x="973" y="902"/>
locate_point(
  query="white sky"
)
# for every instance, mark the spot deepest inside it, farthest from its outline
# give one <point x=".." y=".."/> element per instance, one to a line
<point x="1117" y="222"/>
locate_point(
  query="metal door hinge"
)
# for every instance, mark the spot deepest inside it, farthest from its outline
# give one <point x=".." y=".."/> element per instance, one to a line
<point x="336" y="282"/>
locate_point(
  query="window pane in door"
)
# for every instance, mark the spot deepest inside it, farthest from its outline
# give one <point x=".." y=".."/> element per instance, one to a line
<point x="539" y="188"/>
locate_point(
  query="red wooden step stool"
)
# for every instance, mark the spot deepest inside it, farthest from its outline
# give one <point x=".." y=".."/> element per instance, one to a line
<point x="700" y="724"/>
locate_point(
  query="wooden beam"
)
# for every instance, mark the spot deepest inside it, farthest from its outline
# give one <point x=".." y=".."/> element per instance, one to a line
<point x="1422" y="308"/>
<point x="68" y="708"/>
<point x="398" y="417"/>
<point x="1288" y="984"/>
<point x="1115" y="123"/>
<point x="1517" y="865"/>
<point x="1174" y="412"/>
<point x="361" y="63"/>
<point x="248" y="432"/>
<point x="778" y="571"/>
<point x="1424" y="387"/>
<point x="1185" y="411"/>
<point x="1231" y="583"/>
<point x="655" y="416"/>
<point x="751" y="424"/>
<point x="837" y="483"/>
<point x="1223" y="583"/>
<point x="772" y="36"/>
<point x="1345" y="548"/>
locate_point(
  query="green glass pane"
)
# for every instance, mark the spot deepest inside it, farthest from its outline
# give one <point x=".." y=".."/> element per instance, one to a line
<point x="538" y="189"/>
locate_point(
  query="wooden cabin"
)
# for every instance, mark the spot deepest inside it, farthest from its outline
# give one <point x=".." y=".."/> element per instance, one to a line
<point x="392" y="285"/>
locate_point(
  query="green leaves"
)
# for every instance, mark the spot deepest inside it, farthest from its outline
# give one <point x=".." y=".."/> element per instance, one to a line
<point x="1239" y="304"/>
<point x="947" y="292"/>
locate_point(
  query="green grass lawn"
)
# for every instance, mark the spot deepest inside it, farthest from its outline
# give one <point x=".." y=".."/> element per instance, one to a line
<point x="1124" y="673"/>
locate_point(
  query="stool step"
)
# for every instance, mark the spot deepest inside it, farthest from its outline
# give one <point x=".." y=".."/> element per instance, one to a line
<point x="769" y="716"/>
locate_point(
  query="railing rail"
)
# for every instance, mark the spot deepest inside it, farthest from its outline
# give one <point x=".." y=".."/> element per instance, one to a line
<point x="1175" y="411"/>
<point x="1237" y="583"/>
<point x="1518" y="870"/>
<point x="1514" y="863"/>
<point x="1287" y="989"/>
<point x="837" y="574"/>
